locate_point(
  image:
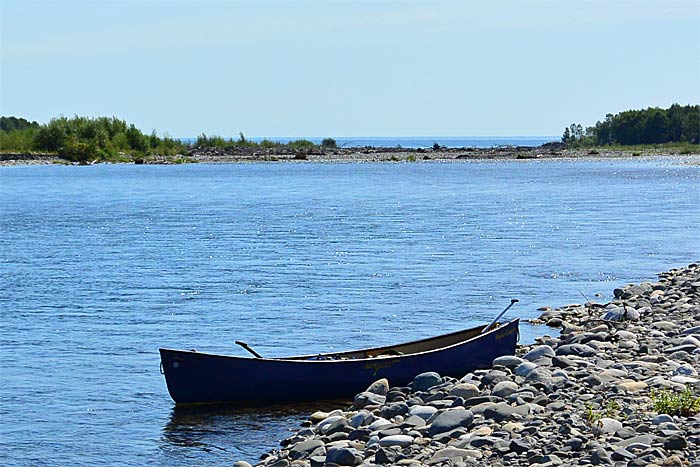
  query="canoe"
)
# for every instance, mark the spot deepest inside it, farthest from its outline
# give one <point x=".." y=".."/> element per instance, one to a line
<point x="199" y="377"/>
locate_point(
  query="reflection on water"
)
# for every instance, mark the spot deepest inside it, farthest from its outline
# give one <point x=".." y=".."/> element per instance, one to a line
<point x="233" y="432"/>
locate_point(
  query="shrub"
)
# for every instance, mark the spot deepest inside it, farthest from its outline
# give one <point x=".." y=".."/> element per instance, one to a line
<point x="211" y="141"/>
<point x="77" y="151"/>
<point x="685" y="403"/>
<point x="17" y="140"/>
<point x="329" y="143"/>
<point x="266" y="143"/>
<point x="302" y="145"/>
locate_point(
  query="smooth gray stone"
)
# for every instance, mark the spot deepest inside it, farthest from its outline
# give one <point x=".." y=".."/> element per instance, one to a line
<point x="580" y="350"/>
<point x="414" y="421"/>
<point x="380" y="424"/>
<point x="336" y="426"/>
<point x="508" y="361"/>
<point x="574" y="444"/>
<point x="693" y="330"/>
<point x="622" y="454"/>
<point x="619" y="314"/>
<point x="451" y="419"/>
<point x="681" y="348"/>
<point x="364" y="399"/>
<point x="422" y="411"/>
<point x="562" y="362"/>
<point x="475" y="401"/>
<point x="452" y="452"/>
<point x="380" y="387"/>
<point x="361" y="434"/>
<point x="691" y="340"/>
<point x="675" y="442"/>
<point x="593" y="380"/>
<point x="394" y="430"/>
<point x="520" y="445"/>
<point x="625" y="432"/>
<point x="661" y="418"/>
<point x="465" y="390"/>
<point x="504" y="389"/>
<point x="684" y="379"/>
<point x="425" y="381"/>
<point x="361" y="418"/>
<point x="386" y="456"/>
<point x="539" y="375"/>
<point x="343" y="456"/>
<point x="641" y="439"/>
<point x="600" y="456"/>
<point x="607" y="425"/>
<point x="494" y="377"/>
<point x="544" y="460"/>
<point x="479" y="441"/>
<point x="324" y="424"/>
<point x="337" y="436"/>
<point x="447" y="436"/>
<point x="393" y="409"/>
<point x="501" y="411"/>
<point x="538" y="352"/>
<point x="524" y="369"/>
<point x="396" y="440"/>
<point x="556" y="406"/>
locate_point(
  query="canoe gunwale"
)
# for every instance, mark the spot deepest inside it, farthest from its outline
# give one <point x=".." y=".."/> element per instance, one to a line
<point x="313" y="358"/>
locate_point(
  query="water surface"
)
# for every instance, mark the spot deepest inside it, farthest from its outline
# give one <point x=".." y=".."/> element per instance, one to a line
<point x="102" y="265"/>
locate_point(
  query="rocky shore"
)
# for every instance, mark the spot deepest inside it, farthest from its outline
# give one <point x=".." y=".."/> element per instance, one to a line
<point x="213" y="155"/>
<point x="599" y="393"/>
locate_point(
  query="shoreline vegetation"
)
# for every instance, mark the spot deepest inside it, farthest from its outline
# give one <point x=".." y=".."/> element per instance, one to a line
<point x="85" y="141"/>
<point x="617" y="385"/>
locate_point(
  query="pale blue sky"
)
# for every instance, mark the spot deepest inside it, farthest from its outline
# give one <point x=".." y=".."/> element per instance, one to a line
<point x="362" y="68"/>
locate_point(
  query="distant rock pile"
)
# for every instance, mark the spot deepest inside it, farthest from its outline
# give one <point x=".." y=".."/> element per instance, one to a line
<point x="599" y="394"/>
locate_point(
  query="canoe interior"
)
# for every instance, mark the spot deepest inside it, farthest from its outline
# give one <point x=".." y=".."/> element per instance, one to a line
<point x="409" y="348"/>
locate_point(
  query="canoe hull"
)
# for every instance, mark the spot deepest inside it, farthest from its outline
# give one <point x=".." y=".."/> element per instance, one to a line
<point x="196" y="377"/>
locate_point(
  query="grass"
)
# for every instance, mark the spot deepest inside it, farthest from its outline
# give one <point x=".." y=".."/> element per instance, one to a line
<point x="685" y="403"/>
<point x="611" y="409"/>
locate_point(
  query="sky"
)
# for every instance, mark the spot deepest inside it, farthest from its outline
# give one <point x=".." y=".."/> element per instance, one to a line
<point x="340" y="68"/>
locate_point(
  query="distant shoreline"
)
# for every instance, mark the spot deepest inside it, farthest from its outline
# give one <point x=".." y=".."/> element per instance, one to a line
<point x="213" y="155"/>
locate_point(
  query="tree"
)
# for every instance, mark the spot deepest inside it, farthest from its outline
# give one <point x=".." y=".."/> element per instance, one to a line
<point x="329" y="143"/>
<point x="649" y="126"/>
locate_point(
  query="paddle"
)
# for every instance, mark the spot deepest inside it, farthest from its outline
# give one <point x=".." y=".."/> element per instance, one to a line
<point x="245" y="346"/>
<point x="493" y="323"/>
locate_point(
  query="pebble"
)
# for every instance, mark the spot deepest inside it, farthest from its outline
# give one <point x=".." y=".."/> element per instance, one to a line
<point x="582" y="398"/>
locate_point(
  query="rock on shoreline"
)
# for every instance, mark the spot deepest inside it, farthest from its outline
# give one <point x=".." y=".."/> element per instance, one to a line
<point x="582" y="398"/>
<point x="213" y="155"/>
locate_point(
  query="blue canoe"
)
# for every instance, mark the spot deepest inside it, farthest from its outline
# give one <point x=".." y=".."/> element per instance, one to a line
<point x="198" y="377"/>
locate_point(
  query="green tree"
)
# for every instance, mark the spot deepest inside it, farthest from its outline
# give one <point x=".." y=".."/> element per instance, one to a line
<point x="329" y="143"/>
